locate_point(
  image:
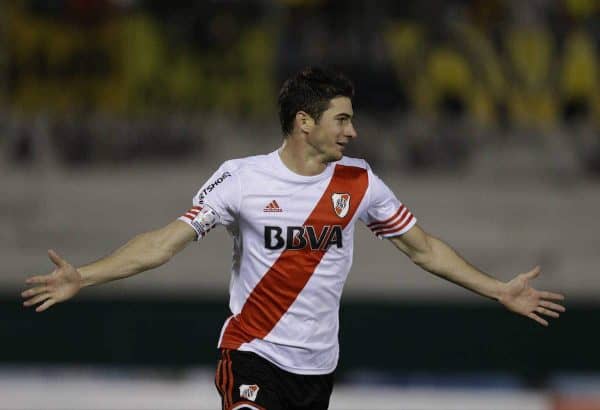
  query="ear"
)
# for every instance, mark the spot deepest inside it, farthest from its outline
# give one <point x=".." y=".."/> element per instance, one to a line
<point x="304" y="121"/>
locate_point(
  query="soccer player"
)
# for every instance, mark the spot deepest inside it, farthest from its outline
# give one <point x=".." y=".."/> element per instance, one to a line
<point x="291" y="214"/>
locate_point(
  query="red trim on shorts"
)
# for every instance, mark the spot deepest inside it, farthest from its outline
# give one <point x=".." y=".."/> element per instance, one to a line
<point x="230" y="376"/>
<point x="245" y="403"/>
<point x="218" y="381"/>
<point x="223" y="384"/>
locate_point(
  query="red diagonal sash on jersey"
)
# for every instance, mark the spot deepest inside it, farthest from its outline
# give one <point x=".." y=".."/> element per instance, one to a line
<point x="286" y="278"/>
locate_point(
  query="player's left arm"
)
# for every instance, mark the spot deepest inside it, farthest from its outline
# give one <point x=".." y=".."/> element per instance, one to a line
<point x="435" y="256"/>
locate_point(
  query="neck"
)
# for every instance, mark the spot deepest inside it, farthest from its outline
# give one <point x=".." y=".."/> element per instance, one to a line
<point x="301" y="158"/>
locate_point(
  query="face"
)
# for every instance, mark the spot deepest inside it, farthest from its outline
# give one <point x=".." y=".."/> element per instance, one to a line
<point x="329" y="137"/>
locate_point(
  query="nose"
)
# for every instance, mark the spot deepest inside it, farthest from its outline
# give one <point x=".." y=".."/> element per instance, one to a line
<point x="351" y="131"/>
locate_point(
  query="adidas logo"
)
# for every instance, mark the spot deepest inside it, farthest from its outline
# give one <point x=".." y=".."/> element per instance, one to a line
<point x="273" y="206"/>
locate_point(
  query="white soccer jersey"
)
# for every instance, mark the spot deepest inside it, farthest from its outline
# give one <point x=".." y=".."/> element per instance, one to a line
<point x="293" y="245"/>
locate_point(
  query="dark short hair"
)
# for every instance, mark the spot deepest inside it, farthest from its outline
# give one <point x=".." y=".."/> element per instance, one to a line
<point x="310" y="90"/>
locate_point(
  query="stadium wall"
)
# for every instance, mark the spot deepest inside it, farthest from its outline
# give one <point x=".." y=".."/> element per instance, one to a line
<point x="399" y="338"/>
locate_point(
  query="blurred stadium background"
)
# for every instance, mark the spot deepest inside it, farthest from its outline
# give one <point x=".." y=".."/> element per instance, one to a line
<point x="484" y="116"/>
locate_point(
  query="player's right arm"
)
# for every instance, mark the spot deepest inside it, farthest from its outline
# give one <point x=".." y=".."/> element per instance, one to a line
<point x="145" y="251"/>
<point x="216" y="203"/>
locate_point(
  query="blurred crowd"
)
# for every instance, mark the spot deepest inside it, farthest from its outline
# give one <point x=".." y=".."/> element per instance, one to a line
<point x="119" y="79"/>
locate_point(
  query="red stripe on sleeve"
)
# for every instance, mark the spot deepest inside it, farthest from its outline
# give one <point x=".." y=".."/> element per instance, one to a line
<point x="192" y="213"/>
<point x="398" y="228"/>
<point x="400" y="219"/>
<point x="376" y="225"/>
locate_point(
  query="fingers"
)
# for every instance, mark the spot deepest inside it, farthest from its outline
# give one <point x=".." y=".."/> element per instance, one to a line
<point x="547" y="312"/>
<point x="552" y="296"/>
<point x="534" y="273"/>
<point x="537" y="319"/>
<point x="44" y="279"/>
<point x="45" y="305"/>
<point x="547" y="308"/>
<point x="37" y="299"/>
<point x="34" y="291"/>
<point x="56" y="258"/>
<point x="553" y="306"/>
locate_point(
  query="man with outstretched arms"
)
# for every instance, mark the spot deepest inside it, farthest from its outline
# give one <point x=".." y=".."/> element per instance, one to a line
<point x="291" y="214"/>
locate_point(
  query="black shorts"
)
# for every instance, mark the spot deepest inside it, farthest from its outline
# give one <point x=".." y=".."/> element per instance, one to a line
<point x="246" y="381"/>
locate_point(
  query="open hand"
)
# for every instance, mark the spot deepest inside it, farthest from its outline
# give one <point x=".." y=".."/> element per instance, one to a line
<point x="62" y="284"/>
<point x="520" y="297"/>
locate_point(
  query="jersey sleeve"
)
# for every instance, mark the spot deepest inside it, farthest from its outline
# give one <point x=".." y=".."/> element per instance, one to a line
<point x="216" y="202"/>
<point x="384" y="214"/>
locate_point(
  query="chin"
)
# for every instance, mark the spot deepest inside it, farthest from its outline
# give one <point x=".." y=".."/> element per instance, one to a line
<point x="336" y="156"/>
